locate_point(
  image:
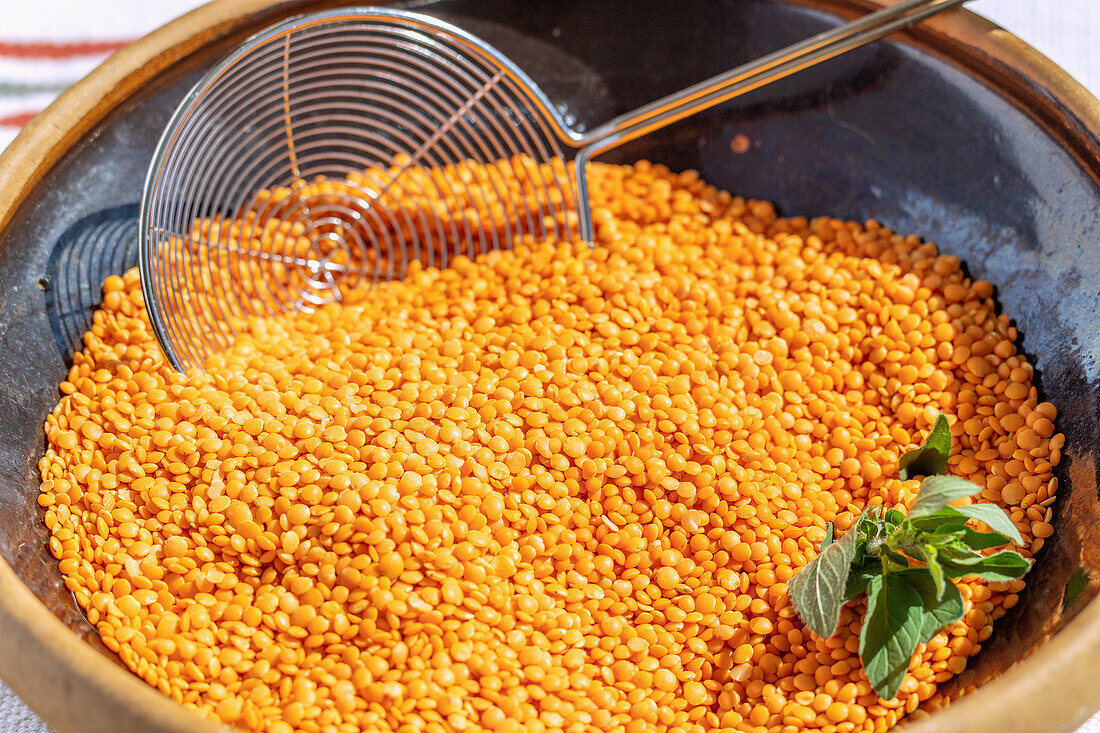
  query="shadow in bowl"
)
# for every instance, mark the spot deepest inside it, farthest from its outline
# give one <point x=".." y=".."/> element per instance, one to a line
<point x="98" y="246"/>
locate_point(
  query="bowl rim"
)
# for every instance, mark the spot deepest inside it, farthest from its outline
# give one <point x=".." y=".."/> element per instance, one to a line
<point x="97" y="695"/>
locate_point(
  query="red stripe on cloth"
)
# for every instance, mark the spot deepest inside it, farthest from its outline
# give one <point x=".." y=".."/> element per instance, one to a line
<point x="17" y="120"/>
<point x="57" y="50"/>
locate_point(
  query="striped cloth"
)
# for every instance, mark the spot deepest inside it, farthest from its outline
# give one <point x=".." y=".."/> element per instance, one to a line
<point x="32" y="73"/>
<point x="46" y="46"/>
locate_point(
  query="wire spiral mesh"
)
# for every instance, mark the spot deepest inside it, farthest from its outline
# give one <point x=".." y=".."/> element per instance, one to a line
<point x="328" y="154"/>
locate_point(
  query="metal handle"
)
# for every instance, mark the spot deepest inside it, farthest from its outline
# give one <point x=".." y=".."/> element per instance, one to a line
<point x="777" y="65"/>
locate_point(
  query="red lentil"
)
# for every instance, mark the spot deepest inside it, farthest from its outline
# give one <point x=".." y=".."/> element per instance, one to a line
<point x="558" y="488"/>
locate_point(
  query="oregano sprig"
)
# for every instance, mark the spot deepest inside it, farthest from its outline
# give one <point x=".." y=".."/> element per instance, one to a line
<point x="905" y="563"/>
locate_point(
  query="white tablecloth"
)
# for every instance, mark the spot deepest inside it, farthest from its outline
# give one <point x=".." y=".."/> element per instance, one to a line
<point x="31" y="73"/>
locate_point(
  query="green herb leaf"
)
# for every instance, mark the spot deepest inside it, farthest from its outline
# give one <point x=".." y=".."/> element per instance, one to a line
<point x="949" y="525"/>
<point x="1075" y="586"/>
<point x="935" y="570"/>
<point x="931" y="458"/>
<point x="940" y="608"/>
<point x="952" y="545"/>
<point x="828" y="535"/>
<point x="861" y="575"/>
<point x="976" y="540"/>
<point x="936" y="492"/>
<point x="998" y="567"/>
<point x="890" y="632"/>
<point x="945" y="520"/>
<point x="894" y="517"/>
<point x="817" y="591"/>
<point x="995" y="518"/>
<point x="874" y="530"/>
<point x="896" y="558"/>
<point x="957" y="549"/>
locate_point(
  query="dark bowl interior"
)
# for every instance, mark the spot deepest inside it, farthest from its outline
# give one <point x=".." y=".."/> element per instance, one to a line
<point x="894" y="132"/>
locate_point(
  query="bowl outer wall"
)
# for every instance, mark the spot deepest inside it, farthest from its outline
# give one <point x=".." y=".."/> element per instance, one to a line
<point x="75" y="688"/>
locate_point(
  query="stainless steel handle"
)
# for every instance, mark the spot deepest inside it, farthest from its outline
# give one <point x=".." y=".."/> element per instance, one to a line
<point x="755" y="74"/>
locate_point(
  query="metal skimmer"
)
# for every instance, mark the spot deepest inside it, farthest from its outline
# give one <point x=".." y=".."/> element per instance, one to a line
<point x="307" y="162"/>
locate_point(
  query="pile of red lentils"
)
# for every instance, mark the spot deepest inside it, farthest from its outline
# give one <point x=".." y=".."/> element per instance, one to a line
<point x="559" y="488"/>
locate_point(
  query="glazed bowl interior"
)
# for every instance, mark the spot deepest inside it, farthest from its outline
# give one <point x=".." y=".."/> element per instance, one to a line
<point x="901" y="132"/>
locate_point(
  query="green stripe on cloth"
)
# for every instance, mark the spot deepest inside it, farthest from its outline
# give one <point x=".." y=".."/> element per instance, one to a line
<point x="24" y="89"/>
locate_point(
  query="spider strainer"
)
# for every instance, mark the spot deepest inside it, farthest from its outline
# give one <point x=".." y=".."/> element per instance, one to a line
<point x="332" y="150"/>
